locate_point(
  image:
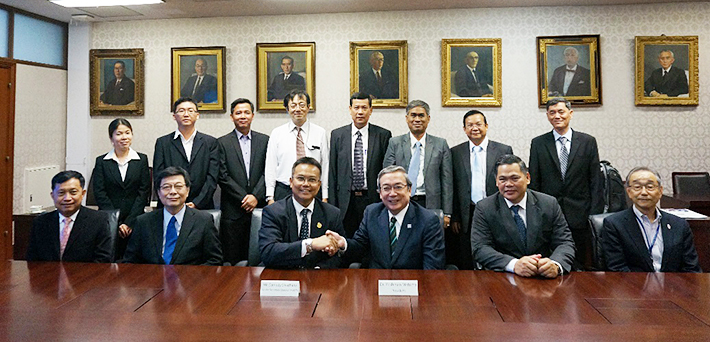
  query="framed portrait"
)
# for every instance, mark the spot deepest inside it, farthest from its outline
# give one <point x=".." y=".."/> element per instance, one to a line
<point x="667" y="71"/>
<point x="379" y="68"/>
<point x="282" y="68"/>
<point x="116" y="82"/>
<point x="199" y="73"/>
<point x="569" y="67"/>
<point x="471" y="72"/>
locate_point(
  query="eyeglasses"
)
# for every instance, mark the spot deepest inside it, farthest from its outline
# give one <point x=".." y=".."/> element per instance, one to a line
<point x="397" y="188"/>
<point x="649" y="187"/>
<point x="477" y="125"/>
<point x="183" y="110"/>
<point x="293" y="105"/>
<point x="168" y="187"/>
<point x="311" y="181"/>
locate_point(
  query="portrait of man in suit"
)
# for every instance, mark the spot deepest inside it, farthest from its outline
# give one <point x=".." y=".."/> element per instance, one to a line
<point x="176" y="234"/>
<point x="396" y="233"/>
<point x="242" y="157"/>
<point x="571" y="78"/>
<point x="120" y="89"/>
<point x="668" y="80"/>
<point x="285" y="81"/>
<point x="519" y="230"/>
<point x="644" y="238"/>
<point x="200" y="86"/>
<point x="377" y="78"/>
<point x="72" y="232"/>
<point x="473" y="79"/>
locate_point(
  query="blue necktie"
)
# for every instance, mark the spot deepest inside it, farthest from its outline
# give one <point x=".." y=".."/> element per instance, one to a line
<point x="170" y="239"/>
<point x="522" y="230"/>
<point x="477" y="176"/>
<point x="413" y="171"/>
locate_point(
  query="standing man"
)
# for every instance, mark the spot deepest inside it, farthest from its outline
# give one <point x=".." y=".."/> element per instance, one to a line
<point x="475" y="178"/>
<point x="427" y="160"/>
<point x="285" y="82"/>
<point x="201" y="87"/>
<point x="293" y="230"/>
<point x="196" y="152"/>
<point x="381" y="84"/>
<point x="565" y="164"/>
<point x="72" y="232"/>
<point x="242" y="157"/>
<point x="175" y="234"/>
<point x="644" y="238"/>
<point x="570" y="79"/>
<point x="666" y="81"/>
<point x="120" y="90"/>
<point x="357" y="151"/>
<point x="469" y="80"/>
<point x="291" y="141"/>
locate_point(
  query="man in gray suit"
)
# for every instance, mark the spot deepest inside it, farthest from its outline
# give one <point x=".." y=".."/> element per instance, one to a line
<point x="518" y="230"/>
<point x="474" y="178"/>
<point x="427" y="160"/>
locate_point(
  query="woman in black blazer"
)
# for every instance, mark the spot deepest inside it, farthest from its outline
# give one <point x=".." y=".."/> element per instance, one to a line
<point x="122" y="181"/>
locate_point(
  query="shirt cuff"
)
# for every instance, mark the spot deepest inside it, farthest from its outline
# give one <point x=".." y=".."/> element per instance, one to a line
<point x="562" y="270"/>
<point x="304" y="249"/>
<point x="510" y="267"/>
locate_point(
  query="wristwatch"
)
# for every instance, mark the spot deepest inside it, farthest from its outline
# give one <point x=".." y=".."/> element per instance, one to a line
<point x="309" y="246"/>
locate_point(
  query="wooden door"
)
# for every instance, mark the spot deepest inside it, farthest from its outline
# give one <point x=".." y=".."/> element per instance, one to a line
<point x="7" y="137"/>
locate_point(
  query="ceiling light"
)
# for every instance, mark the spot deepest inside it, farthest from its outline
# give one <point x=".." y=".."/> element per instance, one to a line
<point x="102" y="3"/>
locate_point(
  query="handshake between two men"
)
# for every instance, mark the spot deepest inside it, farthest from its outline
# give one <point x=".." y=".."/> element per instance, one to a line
<point x="329" y="243"/>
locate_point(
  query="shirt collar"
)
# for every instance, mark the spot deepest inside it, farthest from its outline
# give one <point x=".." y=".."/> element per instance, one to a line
<point x="240" y="135"/>
<point x="641" y="215"/>
<point x="400" y="215"/>
<point x="567" y="135"/>
<point x="178" y="134"/>
<point x="363" y="130"/>
<point x="413" y="140"/>
<point x="667" y="70"/>
<point x="470" y="68"/>
<point x="484" y="145"/>
<point x="572" y="68"/>
<point x="72" y="217"/>
<point x="304" y="127"/>
<point x="178" y="217"/>
<point x="300" y="208"/>
<point x="523" y="203"/>
<point x="132" y="155"/>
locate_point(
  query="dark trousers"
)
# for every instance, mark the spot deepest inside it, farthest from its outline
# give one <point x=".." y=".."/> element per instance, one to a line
<point x="234" y="235"/>
<point x="458" y="246"/>
<point x="356" y="209"/>
<point x="583" y="242"/>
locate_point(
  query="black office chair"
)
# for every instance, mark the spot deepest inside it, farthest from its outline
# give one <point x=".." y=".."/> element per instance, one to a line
<point x="254" y="257"/>
<point x="113" y="215"/>
<point x="216" y="216"/>
<point x="691" y="183"/>
<point x="596" y="223"/>
<point x="90" y="199"/>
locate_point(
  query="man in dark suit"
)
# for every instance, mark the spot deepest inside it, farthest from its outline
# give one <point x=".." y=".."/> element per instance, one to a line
<point x="285" y="81"/>
<point x="292" y="233"/>
<point x="644" y="238"/>
<point x="570" y="79"/>
<point x="431" y="171"/>
<point x="201" y="87"/>
<point x="72" y="232"/>
<point x="518" y="230"/>
<point x="471" y="81"/>
<point x="242" y="155"/>
<point x="381" y="84"/>
<point x="175" y="234"/>
<point x="356" y="155"/>
<point x="666" y="81"/>
<point x="196" y="152"/>
<point x="475" y="178"/>
<point x="120" y="90"/>
<point x="576" y="181"/>
<point x="396" y="233"/>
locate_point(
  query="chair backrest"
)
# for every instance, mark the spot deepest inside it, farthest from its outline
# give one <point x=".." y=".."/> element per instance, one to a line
<point x="254" y="253"/>
<point x="113" y="215"/>
<point x="596" y="223"/>
<point x="217" y="216"/>
<point x="691" y="183"/>
<point x="90" y="198"/>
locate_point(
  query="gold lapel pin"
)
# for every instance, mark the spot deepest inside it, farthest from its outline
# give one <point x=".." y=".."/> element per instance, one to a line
<point x="319" y="225"/>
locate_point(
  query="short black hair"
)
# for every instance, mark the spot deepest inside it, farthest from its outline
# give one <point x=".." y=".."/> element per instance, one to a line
<point x="181" y="100"/>
<point x="307" y="161"/>
<point x="113" y="126"/>
<point x="556" y="100"/>
<point x="508" y="159"/>
<point x="240" y="101"/>
<point x="361" y="96"/>
<point x="296" y="92"/>
<point x="474" y="112"/>
<point x="169" y="172"/>
<point x="64" y="176"/>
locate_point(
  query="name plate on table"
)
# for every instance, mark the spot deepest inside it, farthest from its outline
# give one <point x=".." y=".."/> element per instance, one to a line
<point x="280" y="288"/>
<point x="398" y="288"/>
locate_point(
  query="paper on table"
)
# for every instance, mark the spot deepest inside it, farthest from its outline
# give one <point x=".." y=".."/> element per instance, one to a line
<point x="687" y="214"/>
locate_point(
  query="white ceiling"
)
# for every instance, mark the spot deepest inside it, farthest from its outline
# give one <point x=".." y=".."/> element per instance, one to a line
<point x="232" y="8"/>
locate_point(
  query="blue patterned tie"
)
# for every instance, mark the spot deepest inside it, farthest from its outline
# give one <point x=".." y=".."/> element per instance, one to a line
<point x="393" y="234"/>
<point x="358" y="169"/>
<point x="413" y="171"/>
<point x="564" y="156"/>
<point x="170" y="239"/>
<point x="477" y="176"/>
<point x="522" y="230"/>
<point x="304" y="224"/>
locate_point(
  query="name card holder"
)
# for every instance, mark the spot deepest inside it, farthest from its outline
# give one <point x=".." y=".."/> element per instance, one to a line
<point x="398" y="288"/>
<point x="280" y="288"/>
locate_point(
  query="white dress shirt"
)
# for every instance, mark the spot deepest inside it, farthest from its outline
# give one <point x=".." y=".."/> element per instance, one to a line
<point x="309" y="215"/>
<point x="178" y="223"/>
<point x="420" y="178"/>
<point x="650" y="231"/>
<point x="123" y="167"/>
<point x="186" y="142"/>
<point x="482" y="155"/>
<point x="365" y="138"/>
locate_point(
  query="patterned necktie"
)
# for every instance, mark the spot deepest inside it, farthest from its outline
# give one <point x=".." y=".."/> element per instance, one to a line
<point x="522" y="230"/>
<point x="300" y="147"/>
<point x="564" y="156"/>
<point x="393" y="234"/>
<point x="413" y="171"/>
<point x="477" y="192"/>
<point x="65" y="236"/>
<point x="304" y="224"/>
<point x="358" y="169"/>
<point x="170" y="239"/>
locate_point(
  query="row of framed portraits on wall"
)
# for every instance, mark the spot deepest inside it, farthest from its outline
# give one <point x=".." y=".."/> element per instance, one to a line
<point x="567" y="66"/>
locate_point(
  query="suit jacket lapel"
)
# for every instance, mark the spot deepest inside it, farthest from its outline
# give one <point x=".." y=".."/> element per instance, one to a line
<point x="532" y="222"/>
<point x="491" y="156"/>
<point x="637" y="237"/>
<point x="55" y="232"/>
<point x="188" y="222"/>
<point x="157" y="233"/>
<point x="407" y="150"/>
<point x="669" y="237"/>
<point x="383" y="224"/>
<point x="177" y="143"/>
<point x="113" y="171"/>
<point x="405" y="231"/>
<point x="76" y="230"/>
<point x="292" y="220"/>
<point x="234" y="139"/>
<point x="427" y="152"/>
<point x="507" y="216"/>
<point x="573" y="150"/>
<point x="347" y="144"/>
<point x="552" y="149"/>
<point x="467" y="167"/>
<point x="196" y="145"/>
<point x="318" y="218"/>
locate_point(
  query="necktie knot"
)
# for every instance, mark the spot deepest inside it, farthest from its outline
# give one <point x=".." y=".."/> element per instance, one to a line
<point x="562" y="140"/>
<point x="304" y="212"/>
<point x="515" y="209"/>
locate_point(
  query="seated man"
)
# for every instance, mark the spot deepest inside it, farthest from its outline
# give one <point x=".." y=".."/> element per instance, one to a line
<point x="72" y="232"/>
<point x="397" y="232"/>
<point x="292" y="233"/>
<point x="175" y="234"/>
<point x="643" y="238"/>
<point x="520" y="230"/>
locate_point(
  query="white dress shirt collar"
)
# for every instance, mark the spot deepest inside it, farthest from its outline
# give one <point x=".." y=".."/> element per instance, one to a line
<point x="132" y="155"/>
<point x="523" y="203"/>
<point x="484" y="145"/>
<point x="413" y="140"/>
<point x="239" y="134"/>
<point x="567" y="135"/>
<point x="363" y="130"/>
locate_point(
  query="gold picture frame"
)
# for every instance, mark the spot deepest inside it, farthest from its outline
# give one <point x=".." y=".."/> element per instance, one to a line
<point x="199" y="73"/>
<point x="679" y="87"/>
<point x="386" y="80"/>
<point x="116" y="82"/>
<point x="277" y="60"/>
<point x="471" y="72"/>
<point x="557" y="56"/>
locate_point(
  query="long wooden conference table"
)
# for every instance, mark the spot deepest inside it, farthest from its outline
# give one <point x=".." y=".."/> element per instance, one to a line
<point x="91" y="302"/>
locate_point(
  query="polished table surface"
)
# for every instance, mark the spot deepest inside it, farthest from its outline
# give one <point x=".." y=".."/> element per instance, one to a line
<point x="74" y="301"/>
